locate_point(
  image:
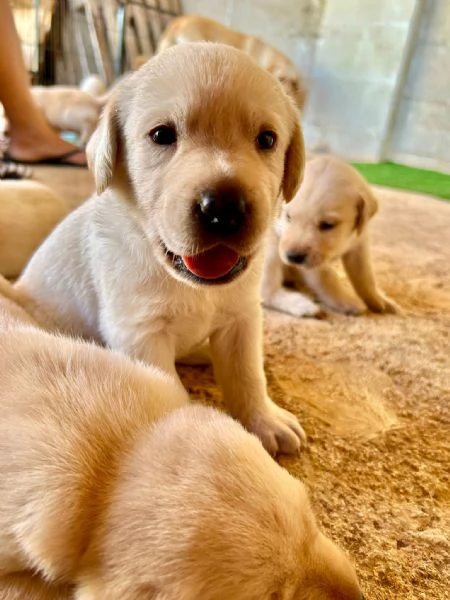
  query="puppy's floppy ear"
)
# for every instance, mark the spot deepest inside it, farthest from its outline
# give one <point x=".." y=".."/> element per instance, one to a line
<point x="366" y="207"/>
<point x="294" y="163"/>
<point x="295" y="89"/>
<point x="102" y="148"/>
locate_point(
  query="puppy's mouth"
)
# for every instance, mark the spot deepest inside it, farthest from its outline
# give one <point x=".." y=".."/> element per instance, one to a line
<point x="218" y="265"/>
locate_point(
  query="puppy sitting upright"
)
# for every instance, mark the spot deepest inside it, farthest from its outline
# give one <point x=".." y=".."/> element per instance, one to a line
<point x="328" y="219"/>
<point x="189" y="160"/>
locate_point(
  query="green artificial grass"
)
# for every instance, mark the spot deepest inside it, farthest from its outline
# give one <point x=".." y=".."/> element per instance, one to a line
<point x="406" y="178"/>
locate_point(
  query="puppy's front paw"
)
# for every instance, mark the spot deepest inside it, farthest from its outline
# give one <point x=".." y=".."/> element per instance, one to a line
<point x="383" y="304"/>
<point x="278" y="429"/>
<point x="391" y="307"/>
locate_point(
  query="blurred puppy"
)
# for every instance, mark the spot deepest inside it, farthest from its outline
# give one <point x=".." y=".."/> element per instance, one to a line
<point x="28" y="212"/>
<point x="327" y="220"/>
<point x="70" y="108"/>
<point x="188" y="168"/>
<point x="195" y="29"/>
<point x="94" y="85"/>
<point x="111" y="489"/>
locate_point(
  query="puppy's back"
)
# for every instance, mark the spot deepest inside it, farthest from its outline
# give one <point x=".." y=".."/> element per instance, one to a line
<point x="69" y="410"/>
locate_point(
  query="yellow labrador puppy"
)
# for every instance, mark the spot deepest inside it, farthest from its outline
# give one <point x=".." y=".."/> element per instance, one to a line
<point x="111" y="489"/>
<point x="28" y="213"/>
<point x="69" y="108"/>
<point x="196" y="29"/>
<point x="189" y="160"/>
<point x="327" y="220"/>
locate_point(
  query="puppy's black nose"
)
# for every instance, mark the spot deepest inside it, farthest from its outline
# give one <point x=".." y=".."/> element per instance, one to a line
<point x="296" y="258"/>
<point x="222" y="211"/>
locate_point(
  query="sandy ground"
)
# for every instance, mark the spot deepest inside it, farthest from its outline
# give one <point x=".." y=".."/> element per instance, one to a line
<point x="373" y="394"/>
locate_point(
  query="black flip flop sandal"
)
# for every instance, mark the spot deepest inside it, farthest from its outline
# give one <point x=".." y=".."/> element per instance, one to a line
<point x="54" y="161"/>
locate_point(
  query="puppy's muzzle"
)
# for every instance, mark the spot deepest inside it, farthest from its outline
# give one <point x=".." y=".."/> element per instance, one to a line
<point x="222" y="211"/>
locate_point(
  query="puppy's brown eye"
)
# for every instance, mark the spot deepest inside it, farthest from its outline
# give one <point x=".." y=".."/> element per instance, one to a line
<point x="326" y="225"/>
<point x="288" y="218"/>
<point x="164" y="135"/>
<point x="266" y="140"/>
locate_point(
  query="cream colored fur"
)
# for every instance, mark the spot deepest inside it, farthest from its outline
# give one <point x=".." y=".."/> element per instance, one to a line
<point x="28" y="213"/>
<point x="69" y="108"/>
<point x="111" y="489"/>
<point x="333" y="193"/>
<point x="94" y="85"/>
<point x="193" y="28"/>
<point x="104" y="273"/>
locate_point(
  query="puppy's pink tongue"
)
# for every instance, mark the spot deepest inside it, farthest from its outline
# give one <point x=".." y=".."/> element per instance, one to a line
<point x="213" y="263"/>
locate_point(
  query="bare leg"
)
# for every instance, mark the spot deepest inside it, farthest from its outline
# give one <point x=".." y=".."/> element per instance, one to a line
<point x="31" y="138"/>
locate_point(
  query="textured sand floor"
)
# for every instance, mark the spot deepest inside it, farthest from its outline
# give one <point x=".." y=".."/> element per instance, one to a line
<point x="373" y="394"/>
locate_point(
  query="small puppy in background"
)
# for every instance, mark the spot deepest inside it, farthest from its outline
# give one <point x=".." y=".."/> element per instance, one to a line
<point x="109" y="483"/>
<point x="196" y="29"/>
<point x="28" y="213"/>
<point x="94" y="85"/>
<point x="327" y="220"/>
<point x="69" y="108"/>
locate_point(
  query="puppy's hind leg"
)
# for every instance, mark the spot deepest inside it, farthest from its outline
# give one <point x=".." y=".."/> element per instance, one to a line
<point x="292" y="303"/>
<point x="274" y="296"/>
<point x="359" y="270"/>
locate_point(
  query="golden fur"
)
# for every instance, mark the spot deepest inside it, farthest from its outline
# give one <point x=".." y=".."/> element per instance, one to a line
<point x="111" y="489"/>
<point x="327" y="220"/>
<point x="195" y="29"/>
<point x="111" y="271"/>
<point x="28" y="212"/>
<point x="69" y="108"/>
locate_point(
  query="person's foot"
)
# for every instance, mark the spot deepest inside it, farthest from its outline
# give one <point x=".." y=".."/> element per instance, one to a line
<point x="34" y="148"/>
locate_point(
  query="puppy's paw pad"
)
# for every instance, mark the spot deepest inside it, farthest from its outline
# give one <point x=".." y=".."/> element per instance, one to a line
<point x="278" y="429"/>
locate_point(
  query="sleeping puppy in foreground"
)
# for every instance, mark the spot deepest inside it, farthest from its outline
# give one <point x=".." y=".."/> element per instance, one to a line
<point x="189" y="168"/>
<point x="327" y="220"/>
<point x="111" y="488"/>
<point x="28" y="212"/>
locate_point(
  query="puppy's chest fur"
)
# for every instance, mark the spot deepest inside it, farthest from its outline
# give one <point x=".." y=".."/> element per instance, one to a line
<point x="150" y="300"/>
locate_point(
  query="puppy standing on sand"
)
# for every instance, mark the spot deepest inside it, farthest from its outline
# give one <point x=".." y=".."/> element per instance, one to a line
<point x="189" y="160"/>
<point x="328" y="219"/>
<point x="112" y="489"/>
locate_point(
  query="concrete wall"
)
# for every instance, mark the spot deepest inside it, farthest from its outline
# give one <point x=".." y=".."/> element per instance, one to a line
<point x="354" y="55"/>
<point x="292" y="26"/>
<point x="421" y="130"/>
<point x="358" y="67"/>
